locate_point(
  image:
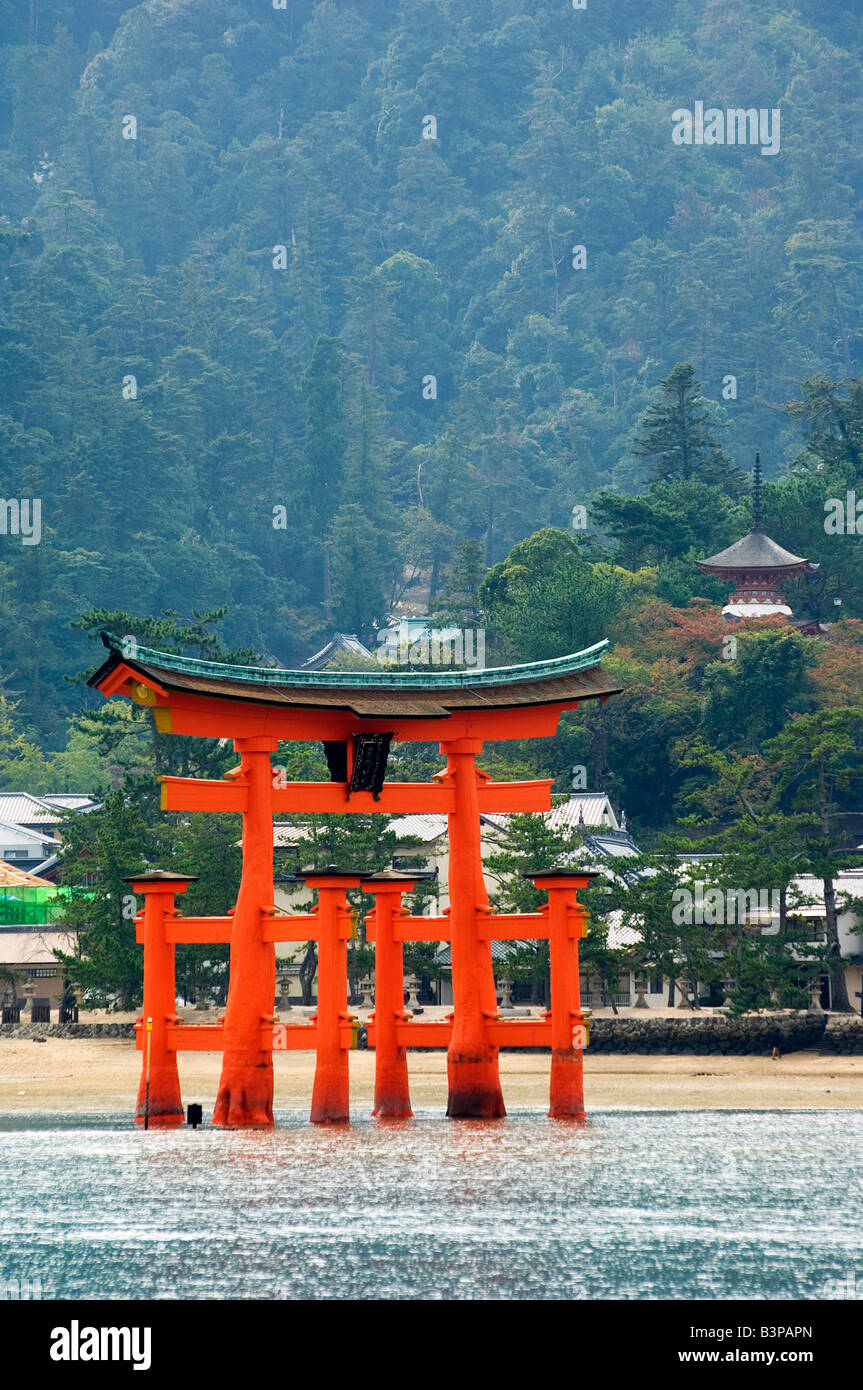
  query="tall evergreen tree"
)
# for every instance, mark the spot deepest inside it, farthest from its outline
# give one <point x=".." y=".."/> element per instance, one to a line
<point x="325" y="443"/>
<point x="817" y="756"/>
<point x="101" y="850"/>
<point x="675" y="435"/>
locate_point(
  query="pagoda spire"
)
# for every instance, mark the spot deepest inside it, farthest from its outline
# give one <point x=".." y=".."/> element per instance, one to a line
<point x="756" y="566"/>
<point x="756" y="496"/>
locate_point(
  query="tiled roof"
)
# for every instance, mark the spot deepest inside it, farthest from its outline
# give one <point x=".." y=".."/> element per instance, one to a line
<point x="430" y="826"/>
<point x="754" y="552"/>
<point x="22" y="808"/>
<point x="811" y="889"/>
<point x="374" y="694"/>
<point x="167" y="663"/>
<point x="284" y="834"/>
<point x="500" y="951"/>
<point x="341" y="642"/>
<point x="589" y="808"/>
<point x="617" y="844"/>
<point x="586" y="808"/>
<point x="13" y="877"/>
<point x="594" y="807"/>
<point x="69" y="801"/>
<point x="419" y="827"/>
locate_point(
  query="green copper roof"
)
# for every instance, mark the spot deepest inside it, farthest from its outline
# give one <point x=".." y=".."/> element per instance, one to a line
<point x="356" y="680"/>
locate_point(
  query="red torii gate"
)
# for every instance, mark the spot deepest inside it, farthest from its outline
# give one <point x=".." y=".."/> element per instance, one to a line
<point x="355" y="714"/>
<point x="391" y="1031"/>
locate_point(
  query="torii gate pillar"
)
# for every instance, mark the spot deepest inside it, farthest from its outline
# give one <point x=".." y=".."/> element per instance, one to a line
<point x="159" y="1100"/>
<point x="245" y="1098"/>
<point x="472" y="1063"/>
<point x="392" y="1092"/>
<point x="567" y="921"/>
<point x="331" y="1090"/>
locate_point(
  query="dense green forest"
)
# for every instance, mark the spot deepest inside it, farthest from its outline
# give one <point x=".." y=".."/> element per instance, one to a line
<point x="233" y="262"/>
<point x="240" y="308"/>
<point x="308" y="311"/>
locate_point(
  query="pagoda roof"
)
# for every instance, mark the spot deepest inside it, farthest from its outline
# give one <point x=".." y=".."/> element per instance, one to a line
<point x="377" y="694"/>
<point x="755" y="552"/>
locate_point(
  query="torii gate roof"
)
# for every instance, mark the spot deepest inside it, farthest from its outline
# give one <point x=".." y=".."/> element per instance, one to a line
<point x="212" y="698"/>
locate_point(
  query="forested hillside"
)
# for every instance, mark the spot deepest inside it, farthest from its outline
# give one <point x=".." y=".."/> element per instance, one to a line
<point x="238" y="242"/>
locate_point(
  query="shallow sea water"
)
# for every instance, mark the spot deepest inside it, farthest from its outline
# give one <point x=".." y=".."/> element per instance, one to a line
<point x="635" y="1204"/>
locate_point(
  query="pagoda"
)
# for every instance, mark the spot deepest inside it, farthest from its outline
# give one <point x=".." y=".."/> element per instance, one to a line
<point x="757" y="567"/>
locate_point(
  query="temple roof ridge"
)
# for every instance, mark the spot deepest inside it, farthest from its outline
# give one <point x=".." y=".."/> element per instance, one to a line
<point x="755" y="551"/>
<point x="356" y="679"/>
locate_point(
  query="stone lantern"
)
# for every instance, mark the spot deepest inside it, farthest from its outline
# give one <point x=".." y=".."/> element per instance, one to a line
<point x="284" y="983"/>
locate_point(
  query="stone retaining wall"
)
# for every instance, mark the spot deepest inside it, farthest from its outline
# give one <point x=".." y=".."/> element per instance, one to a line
<point x="67" y="1030"/>
<point x="700" y="1035"/>
<point x="843" y="1034"/>
<point x="713" y="1033"/>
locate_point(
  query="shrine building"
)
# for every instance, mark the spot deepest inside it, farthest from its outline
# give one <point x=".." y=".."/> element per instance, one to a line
<point x="757" y="567"/>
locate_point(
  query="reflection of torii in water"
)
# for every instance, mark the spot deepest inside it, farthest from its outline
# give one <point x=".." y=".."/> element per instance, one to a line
<point x="256" y="707"/>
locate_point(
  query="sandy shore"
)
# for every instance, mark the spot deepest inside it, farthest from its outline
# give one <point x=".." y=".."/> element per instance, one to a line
<point x="102" y="1074"/>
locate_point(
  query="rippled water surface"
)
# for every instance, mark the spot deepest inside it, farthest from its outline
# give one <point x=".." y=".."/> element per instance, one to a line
<point x="636" y="1204"/>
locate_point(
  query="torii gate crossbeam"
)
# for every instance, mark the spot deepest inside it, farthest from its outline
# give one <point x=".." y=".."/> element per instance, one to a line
<point x="257" y="707"/>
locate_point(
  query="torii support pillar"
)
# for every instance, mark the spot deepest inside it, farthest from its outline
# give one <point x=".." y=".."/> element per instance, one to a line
<point x="160" y="1103"/>
<point x="392" y="1090"/>
<point x="331" y="1091"/>
<point x="245" y="1099"/>
<point x="566" y="923"/>
<point x="472" y="1062"/>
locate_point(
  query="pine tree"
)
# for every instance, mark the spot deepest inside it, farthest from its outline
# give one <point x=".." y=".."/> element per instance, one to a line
<point x="528" y="843"/>
<point x="101" y="850"/>
<point x="818" y="756"/>
<point x="676" y="435"/>
<point x="458" y="601"/>
<point x="325" y="443"/>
